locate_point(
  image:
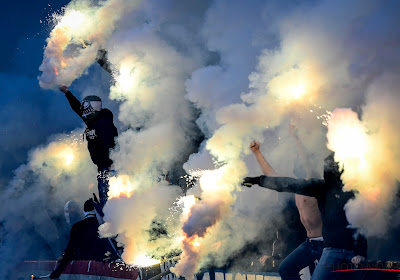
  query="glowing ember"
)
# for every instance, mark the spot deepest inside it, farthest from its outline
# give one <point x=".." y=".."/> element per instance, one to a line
<point x="56" y="70"/>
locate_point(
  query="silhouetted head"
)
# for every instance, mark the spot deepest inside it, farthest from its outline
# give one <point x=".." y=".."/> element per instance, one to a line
<point x="88" y="206"/>
<point x="331" y="169"/>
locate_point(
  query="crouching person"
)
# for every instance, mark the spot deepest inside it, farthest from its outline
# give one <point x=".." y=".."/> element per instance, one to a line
<point x="84" y="242"/>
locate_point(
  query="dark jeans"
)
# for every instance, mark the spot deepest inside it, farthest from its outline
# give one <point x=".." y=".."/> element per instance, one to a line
<point x="102" y="183"/>
<point x="333" y="259"/>
<point x="301" y="257"/>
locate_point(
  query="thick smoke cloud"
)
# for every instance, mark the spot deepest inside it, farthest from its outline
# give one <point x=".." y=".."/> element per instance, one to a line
<point x="32" y="208"/>
<point x="236" y="72"/>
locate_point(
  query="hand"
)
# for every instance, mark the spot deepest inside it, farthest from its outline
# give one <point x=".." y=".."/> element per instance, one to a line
<point x="250" y="181"/>
<point x="263" y="259"/>
<point x="357" y="260"/>
<point x="255" y="146"/>
<point x="293" y="130"/>
<point x="63" y="89"/>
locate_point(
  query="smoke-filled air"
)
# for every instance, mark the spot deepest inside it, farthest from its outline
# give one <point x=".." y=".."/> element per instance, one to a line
<point x="191" y="84"/>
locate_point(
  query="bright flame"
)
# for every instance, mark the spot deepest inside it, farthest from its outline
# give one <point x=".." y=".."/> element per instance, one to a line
<point x="210" y="178"/>
<point x="145" y="261"/>
<point x="298" y="84"/>
<point x="125" y="80"/>
<point x="298" y="91"/>
<point x="120" y="186"/>
<point x="72" y="19"/>
<point x="348" y="138"/>
<point x="187" y="202"/>
<point x="69" y="158"/>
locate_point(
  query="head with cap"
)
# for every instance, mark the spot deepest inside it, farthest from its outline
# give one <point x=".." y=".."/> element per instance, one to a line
<point x="90" y="107"/>
<point x="332" y="172"/>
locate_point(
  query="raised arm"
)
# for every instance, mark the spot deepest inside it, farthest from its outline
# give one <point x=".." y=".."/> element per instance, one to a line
<point x="73" y="101"/>
<point x="266" y="168"/>
<point x="311" y="187"/>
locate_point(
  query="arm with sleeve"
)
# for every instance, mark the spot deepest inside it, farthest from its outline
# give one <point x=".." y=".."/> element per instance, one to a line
<point x="68" y="255"/>
<point x="74" y="103"/>
<point x="310" y="187"/>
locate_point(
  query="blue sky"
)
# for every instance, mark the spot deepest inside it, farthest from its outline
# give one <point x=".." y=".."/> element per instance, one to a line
<point x="28" y="114"/>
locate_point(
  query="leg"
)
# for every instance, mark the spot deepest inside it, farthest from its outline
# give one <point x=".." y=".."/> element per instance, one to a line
<point x="102" y="184"/>
<point x="317" y="247"/>
<point x="332" y="259"/>
<point x="301" y="257"/>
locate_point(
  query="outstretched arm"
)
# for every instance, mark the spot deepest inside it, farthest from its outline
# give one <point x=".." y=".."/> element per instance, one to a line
<point x="266" y="168"/>
<point x="311" y="187"/>
<point x="73" y="101"/>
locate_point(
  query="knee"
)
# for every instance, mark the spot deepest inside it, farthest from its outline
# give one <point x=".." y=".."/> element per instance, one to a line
<point x="287" y="271"/>
<point x="283" y="270"/>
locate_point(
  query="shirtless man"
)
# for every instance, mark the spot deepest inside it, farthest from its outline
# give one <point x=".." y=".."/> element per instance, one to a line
<point x="310" y="250"/>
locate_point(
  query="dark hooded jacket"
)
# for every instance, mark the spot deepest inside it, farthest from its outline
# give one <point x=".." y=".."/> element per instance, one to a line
<point x="331" y="199"/>
<point x="100" y="133"/>
<point x="84" y="244"/>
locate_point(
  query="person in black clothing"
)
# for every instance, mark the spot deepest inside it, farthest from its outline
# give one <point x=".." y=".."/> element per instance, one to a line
<point x="84" y="242"/>
<point x="342" y="244"/>
<point x="100" y="134"/>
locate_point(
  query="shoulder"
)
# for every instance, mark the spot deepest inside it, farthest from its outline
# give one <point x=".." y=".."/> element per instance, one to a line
<point x="106" y="113"/>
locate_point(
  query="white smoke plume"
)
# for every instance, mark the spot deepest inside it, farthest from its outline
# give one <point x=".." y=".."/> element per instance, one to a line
<point x="83" y="24"/>
<point x="249" y="69"/>
<point x="317" y="67"/>
<point x="368" y="150"/>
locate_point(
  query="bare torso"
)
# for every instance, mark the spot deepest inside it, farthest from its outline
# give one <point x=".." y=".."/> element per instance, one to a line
<point x="309" y="215"/>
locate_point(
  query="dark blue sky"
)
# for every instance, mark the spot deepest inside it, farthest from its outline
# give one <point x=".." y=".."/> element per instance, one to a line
<point x="28" y="114"/>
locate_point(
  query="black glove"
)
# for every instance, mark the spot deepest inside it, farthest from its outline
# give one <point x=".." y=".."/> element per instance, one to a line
<point x="250" y="181"/>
